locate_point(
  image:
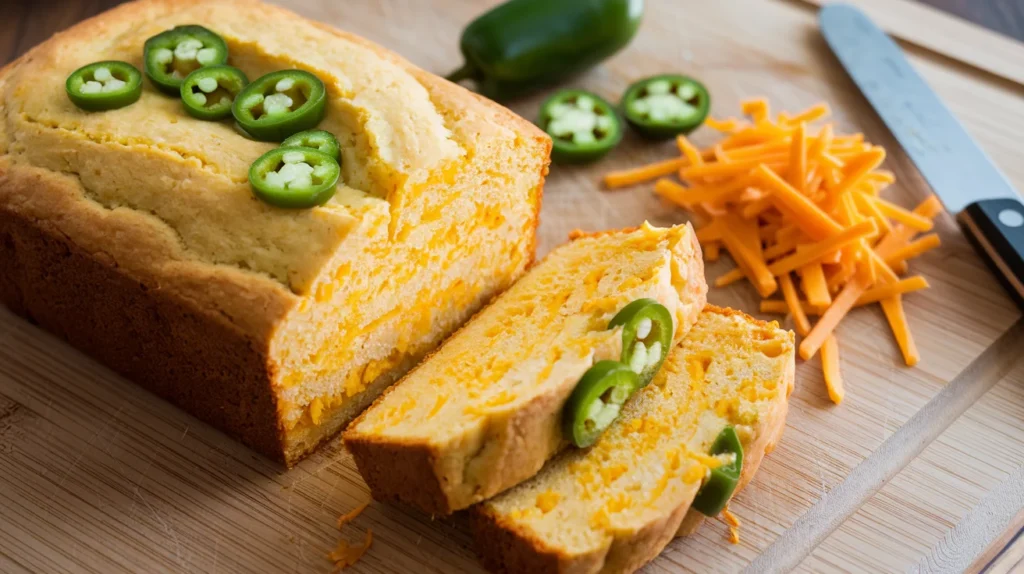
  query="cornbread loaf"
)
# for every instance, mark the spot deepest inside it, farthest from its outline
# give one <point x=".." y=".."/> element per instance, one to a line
<point x="613" y="507"/>
<point x="485" y="411"/>
<point x="134" y="234"/>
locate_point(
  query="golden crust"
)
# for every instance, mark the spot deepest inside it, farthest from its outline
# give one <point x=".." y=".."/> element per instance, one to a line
<point x="145" y="263"/>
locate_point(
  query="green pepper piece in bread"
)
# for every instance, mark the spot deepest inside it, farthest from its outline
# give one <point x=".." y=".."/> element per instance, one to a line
<point x="646" y="337"/>
<point x="721" y="483"/>
<point x="597" y="401"/>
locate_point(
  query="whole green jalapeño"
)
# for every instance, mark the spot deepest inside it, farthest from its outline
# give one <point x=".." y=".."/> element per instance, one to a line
<point x="597" y="401"/>
<point x="209" y="92"/>
<point x="104" y="86"/>
<point x="646" y="337"/>
<point x="294" y="177"/>
<point x="583" y="126"/>
<point x="662" y="107"/>
<point x="170" y="56"/>
<point x="281" y="104"/>
<point x="721" y="483"/>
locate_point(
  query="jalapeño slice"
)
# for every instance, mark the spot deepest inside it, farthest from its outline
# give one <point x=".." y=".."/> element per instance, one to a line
<point x="170" y="56"/>
<point x="104" y="85"/>
<point x="661" y="107"/>
<point x="208" y="93"/>
<point x="281" y="104"/>
<point x="582" y="125"/>
<point x="721" y="483"/>
<point x="316" y="139"/>
<point x="294" y="177"/>
<point x="597" y="401"/>
<point x="646" y="336"/>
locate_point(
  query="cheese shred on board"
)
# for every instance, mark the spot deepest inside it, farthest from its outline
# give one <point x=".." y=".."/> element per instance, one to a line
<point x="347" y="554"/>
<point x="800" y="211"/>
<point x="733" y="523"/>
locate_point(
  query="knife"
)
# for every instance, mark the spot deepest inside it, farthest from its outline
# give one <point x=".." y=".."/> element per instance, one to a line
<point x="970" y="186"/>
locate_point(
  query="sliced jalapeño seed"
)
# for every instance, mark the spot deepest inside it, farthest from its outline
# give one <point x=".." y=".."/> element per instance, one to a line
<point x="721" y="483"/>
<point x="662" y="107"/>
<point x="294" y="177"/>
<point x="170" y="56"/>
<point x="583" y="126"/>
<point x="281" y="104"/>
<point x="104" y="85"/>
<point x="208" y="93"/>
<point x="596" y="401"/>
<point x="646" y="336"/>
<point x="316" y="139"/>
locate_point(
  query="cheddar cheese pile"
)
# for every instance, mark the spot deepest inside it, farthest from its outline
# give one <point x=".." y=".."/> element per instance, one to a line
<point x="799" y="208"/>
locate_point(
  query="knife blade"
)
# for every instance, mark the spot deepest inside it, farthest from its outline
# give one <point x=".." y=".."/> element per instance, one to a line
<point x="970" y="186"/>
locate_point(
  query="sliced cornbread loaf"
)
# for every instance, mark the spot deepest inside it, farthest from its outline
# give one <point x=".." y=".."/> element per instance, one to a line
<point x="134" y="234"/>
<point x="613" y="507"/>
<point x="484" y="412"/>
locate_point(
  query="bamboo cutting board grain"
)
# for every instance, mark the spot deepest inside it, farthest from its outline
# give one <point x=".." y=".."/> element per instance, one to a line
<point x="97" y="475"/>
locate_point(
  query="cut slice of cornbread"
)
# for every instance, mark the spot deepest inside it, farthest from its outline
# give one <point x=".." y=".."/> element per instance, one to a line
<point x="134" y="233"/>
<point x="484" y="412"/>
<point x="614" y="506"/>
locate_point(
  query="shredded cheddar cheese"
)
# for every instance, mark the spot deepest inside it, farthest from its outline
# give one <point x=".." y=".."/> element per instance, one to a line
<point x="353" y="514"/>
<point x="799" y="210"/>
<point x="346" y="554"/>
<point x="733" y="523"/>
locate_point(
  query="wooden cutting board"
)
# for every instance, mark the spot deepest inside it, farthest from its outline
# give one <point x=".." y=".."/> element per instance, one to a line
<point x="97" y="475"/>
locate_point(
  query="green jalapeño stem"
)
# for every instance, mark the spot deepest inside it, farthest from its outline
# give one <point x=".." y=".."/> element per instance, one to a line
<point x="662" y="107"/>
<point x="294" y="177"/>
<point x="170" y="56"/>
<point x="281" y="104"/>
<point x="646" y="336"/>
<point x="104" y="85"/>
<point x="209" y="92"/>
<point x="583" y="126"/>
<point x="316" y="139"/>
<point x="721" y="483"/>
<point x="597" y="401"/>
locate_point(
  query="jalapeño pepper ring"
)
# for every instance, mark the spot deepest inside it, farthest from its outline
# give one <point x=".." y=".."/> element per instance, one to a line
<point x="583" y="126"/>
<point x="662" y="107"/>
<point x="597" y="401"/>
<point x="170" y="56"/>
<point x="209" y="92"/>
<point x="104" y="85"/>
<point x="294" y="177"/>
<point x="280" y="104"/>
<point x="646" y="336"/>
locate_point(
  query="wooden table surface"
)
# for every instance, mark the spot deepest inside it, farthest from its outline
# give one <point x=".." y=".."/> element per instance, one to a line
<point x="919" y="469"/>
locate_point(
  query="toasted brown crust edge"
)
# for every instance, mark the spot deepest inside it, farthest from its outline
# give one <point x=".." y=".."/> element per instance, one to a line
<point x="140" y="331"/>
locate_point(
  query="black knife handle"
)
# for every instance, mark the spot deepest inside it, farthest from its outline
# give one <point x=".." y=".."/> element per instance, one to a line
<point x="996" y="227"/>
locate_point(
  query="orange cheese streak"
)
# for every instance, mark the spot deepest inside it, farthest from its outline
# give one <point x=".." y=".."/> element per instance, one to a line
<point x="799" y="208"/>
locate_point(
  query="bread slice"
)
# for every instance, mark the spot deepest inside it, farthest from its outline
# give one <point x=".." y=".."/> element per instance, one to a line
<point x="484" y="412"/>
<point x="134" y="234"/>
<point x="613" y="507"/>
